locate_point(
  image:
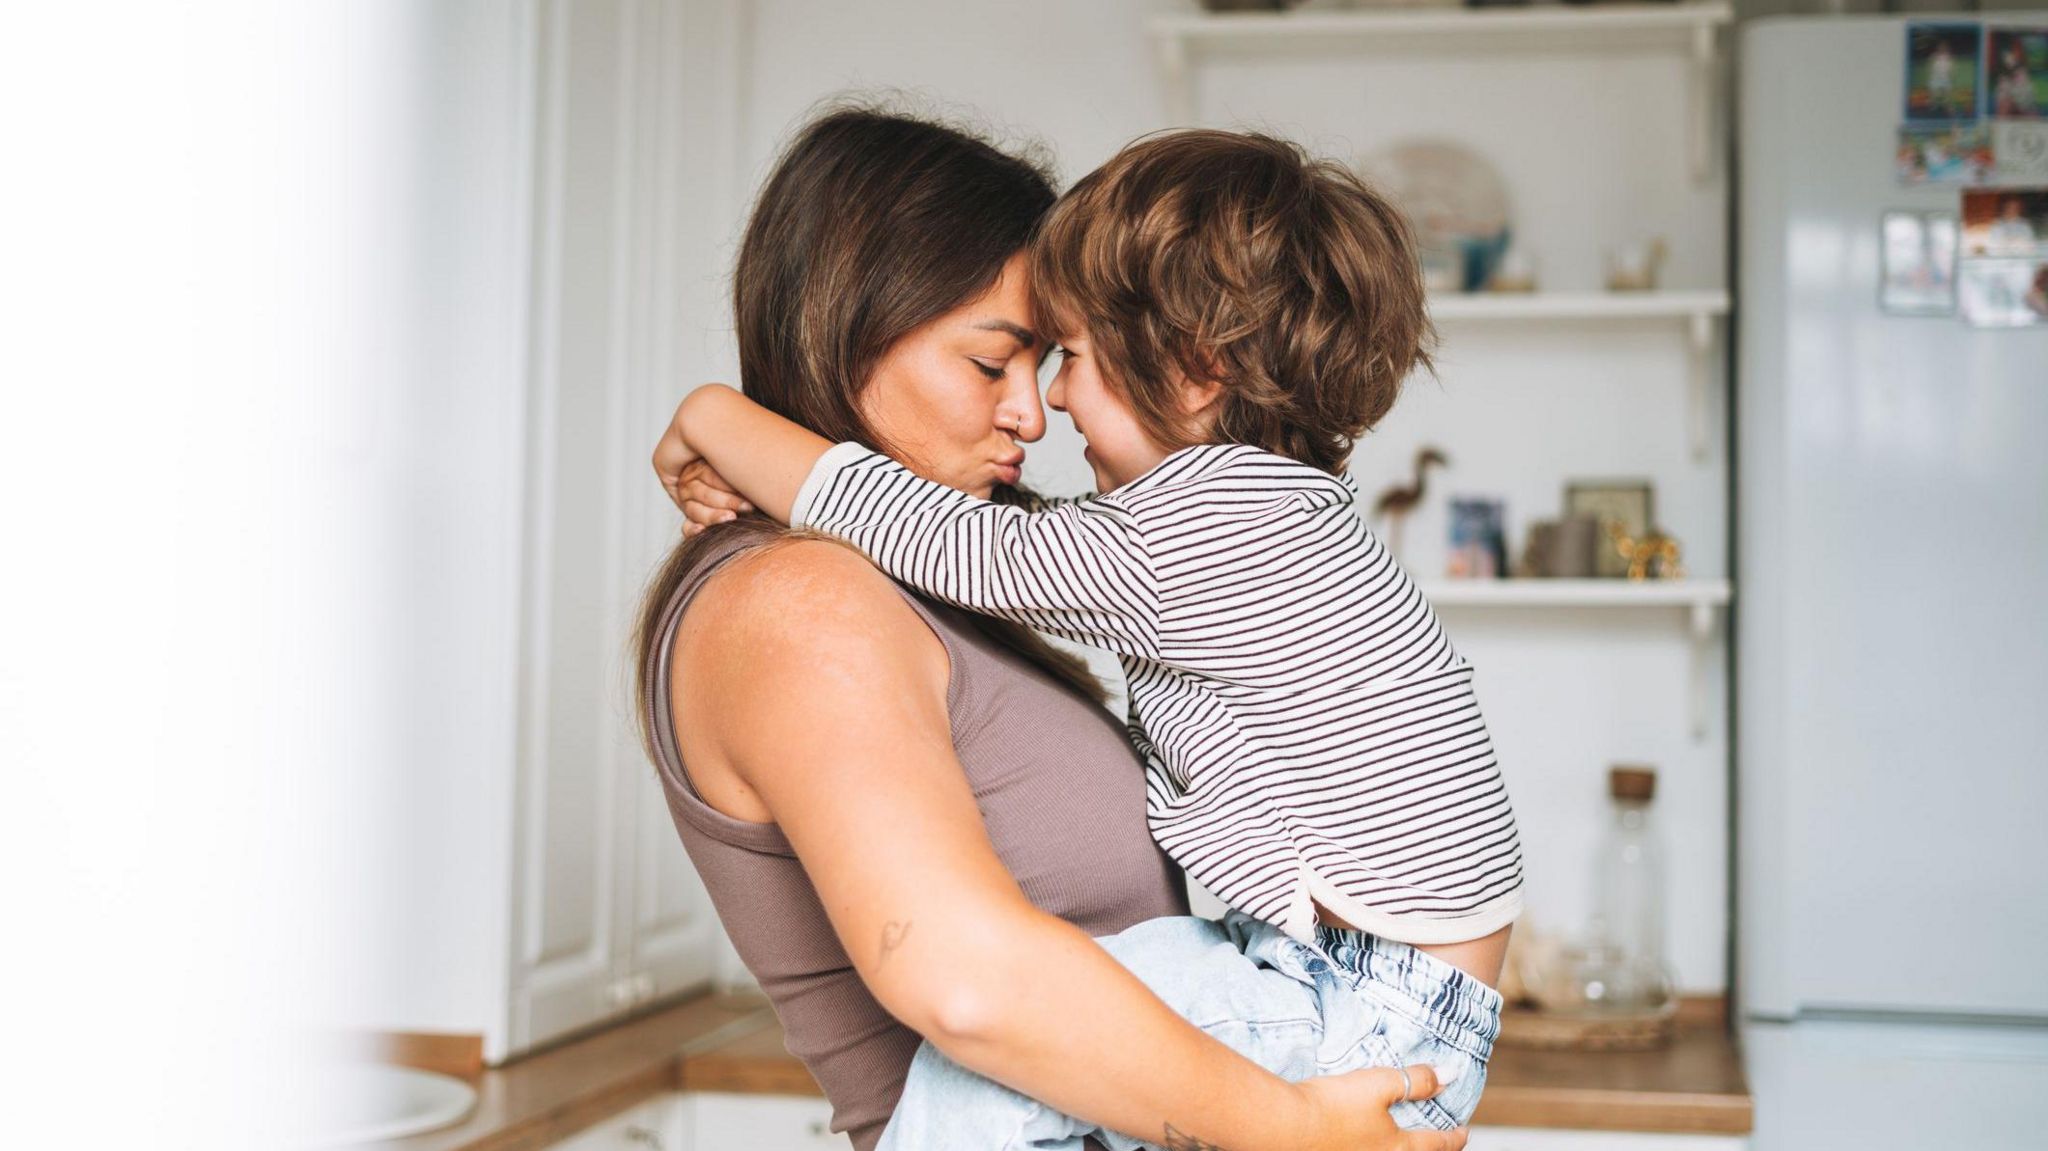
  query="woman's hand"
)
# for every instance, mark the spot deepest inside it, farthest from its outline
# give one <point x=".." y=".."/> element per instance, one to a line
<point x="704" y="497"/>
<point x="1353" y="1110"/>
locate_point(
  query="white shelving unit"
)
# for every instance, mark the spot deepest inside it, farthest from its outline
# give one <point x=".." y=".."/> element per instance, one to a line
<point x="1689" y="30"/>
<point x="1690" y="27"/>
<point x="1699" y="311"/>
<point x="1701" y="599"/>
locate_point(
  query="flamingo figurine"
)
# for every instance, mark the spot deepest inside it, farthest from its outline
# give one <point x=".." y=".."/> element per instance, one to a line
<point x="1394" y="504"/>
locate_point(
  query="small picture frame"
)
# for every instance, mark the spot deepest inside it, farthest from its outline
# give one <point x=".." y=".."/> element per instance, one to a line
<point x="1943" y="71"/>
<point x="1479" y="539"/>
<point x="1918" y="253"/>
<point x="1629" y="503"/>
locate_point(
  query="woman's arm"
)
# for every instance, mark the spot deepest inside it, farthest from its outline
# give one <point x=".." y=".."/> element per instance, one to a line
<point x="821" y="689"/>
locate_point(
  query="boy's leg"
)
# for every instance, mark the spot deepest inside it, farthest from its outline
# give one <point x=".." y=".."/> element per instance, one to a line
<point x="1385" y="1004"/>
<point x="1292" y="1009"/>
<point x="1195" y="967"/>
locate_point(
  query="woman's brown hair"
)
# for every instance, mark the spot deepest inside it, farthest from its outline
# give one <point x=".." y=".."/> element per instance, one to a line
<point x="1235" y="258"/>
<point x="871" y="225"/>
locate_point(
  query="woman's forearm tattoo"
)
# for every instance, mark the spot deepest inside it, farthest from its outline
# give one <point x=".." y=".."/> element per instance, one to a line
<point x="893" y="935"/>
<point x="1179" y="1140"/>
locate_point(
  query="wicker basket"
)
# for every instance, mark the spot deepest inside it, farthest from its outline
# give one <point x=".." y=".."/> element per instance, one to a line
<point x="1537" y="1029"/>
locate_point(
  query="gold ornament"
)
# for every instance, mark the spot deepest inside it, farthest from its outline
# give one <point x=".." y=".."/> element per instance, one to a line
<point x="1655" y="556"/>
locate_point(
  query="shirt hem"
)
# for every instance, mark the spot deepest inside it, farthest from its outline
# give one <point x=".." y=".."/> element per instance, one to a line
<point x="1420" y="930"/>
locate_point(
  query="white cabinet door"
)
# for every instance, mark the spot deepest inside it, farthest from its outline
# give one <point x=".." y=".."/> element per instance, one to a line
<point x="568" y="821"/>
<point x="608" y="913"/>
<point x="1546" y="1139"/>
<point x="760" y="1123"/>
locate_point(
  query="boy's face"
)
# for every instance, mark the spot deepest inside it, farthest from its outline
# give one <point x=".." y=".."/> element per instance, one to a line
<point x="1119" y="448"/>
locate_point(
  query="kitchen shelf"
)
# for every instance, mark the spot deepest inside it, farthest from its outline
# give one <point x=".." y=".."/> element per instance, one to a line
<point x="1698" y="310"/>
<point x="1697" y="594"/>
<point x="1565" y="25"/>
<point x="1702" y="599"/>
<point x="1688" y="27"/>
<point x="1688" y="305"/>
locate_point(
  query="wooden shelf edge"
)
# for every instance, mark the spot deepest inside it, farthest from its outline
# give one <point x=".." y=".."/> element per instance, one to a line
<point x="1446" y="20"/>
<point x="1592" y="306"/>
<point x="1579" y="593"/>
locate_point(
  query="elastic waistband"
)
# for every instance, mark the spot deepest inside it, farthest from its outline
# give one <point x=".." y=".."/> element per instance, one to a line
<point x="1459" y="1009"/>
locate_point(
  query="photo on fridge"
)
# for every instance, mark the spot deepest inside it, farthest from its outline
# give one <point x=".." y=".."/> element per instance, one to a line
<point x="2005" y="222"/>
<point x="1942" y="71"/>
<point x="2017" y="87"/>
<point x="1919" y="252"/>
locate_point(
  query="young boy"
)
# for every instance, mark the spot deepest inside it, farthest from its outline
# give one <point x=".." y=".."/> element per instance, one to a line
<point x="1232" y="316"/>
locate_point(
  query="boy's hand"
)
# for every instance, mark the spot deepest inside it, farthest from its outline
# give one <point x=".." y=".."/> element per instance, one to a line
<point x="705" y="497"/>
<point x="672" y="455"/>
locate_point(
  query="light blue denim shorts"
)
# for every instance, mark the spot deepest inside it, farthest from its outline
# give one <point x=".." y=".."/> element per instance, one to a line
<point x="1352" y="1000"/>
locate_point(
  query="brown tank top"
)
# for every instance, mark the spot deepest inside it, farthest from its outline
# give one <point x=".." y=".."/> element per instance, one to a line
<point x="1060" y="791"/>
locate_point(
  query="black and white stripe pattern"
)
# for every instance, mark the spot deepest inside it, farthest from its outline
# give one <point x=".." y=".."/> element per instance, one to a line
<point x="1308" y="731"/>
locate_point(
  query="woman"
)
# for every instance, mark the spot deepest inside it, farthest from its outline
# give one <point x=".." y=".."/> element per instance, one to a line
<point x="910" y="822"/>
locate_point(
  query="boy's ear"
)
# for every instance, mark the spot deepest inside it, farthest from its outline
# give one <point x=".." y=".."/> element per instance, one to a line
<point x="1198" y="396"/>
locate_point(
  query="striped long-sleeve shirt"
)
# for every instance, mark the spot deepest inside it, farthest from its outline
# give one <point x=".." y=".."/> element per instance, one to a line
<point x="1309" y="734"/>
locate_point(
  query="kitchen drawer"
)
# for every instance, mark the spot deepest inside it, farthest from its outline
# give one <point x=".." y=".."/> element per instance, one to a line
<point x="719" y="1122"/>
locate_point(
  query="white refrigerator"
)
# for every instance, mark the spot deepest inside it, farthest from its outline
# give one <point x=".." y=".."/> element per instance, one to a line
<point x="1891" y="641"/>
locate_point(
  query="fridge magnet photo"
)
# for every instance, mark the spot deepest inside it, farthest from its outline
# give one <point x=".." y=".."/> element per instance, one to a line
<point x="1958" y="154"/>
<point x="2003" y="293"/>
<point x="2005" y="222"/>
<point x="1942" y="71"/>
<point x="2019" y="150"/>
<point x="1919" y="264"/>
<point x="2017" y="72"/>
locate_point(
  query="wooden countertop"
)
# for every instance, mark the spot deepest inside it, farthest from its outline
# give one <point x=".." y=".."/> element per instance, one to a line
<point x="734" y="1044"/>
<point x="1694" y="1086"/>
<point x="544" y="1098"/>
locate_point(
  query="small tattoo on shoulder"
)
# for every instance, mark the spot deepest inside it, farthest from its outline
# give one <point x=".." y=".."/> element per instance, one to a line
<point x="1179" y="1140"/>
<point x="893" y="935"/>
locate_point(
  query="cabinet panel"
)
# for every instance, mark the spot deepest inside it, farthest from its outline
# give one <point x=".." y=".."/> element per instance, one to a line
<point x="761" y="1123"/>
<point x="1546" y="1139"/>
<point x="566" y="947"/>
<point x="654" y="1126"/>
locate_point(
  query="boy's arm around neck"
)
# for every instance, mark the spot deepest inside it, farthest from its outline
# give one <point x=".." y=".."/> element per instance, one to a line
<point x="763" y="455"/>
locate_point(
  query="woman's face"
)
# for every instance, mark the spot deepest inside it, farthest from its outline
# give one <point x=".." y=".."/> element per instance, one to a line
<point x="957" y="399"/>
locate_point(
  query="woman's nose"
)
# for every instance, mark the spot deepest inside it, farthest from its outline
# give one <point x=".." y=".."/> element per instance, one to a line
<point x="1020" y="410"/>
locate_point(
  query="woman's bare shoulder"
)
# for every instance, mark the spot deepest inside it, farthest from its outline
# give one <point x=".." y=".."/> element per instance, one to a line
<point x="803" y="613"/>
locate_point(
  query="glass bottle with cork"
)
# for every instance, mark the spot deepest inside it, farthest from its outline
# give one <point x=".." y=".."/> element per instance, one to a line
<point x="1618" y="968"/>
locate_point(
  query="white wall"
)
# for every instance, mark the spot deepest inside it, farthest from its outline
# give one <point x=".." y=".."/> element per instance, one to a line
<point x="1593" y="152"/>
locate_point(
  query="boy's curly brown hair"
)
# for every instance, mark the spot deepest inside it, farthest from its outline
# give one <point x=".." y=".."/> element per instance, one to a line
<point x="1237" y="258"/>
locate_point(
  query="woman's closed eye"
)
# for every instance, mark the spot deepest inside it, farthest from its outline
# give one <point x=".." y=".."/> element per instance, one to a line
<point x="995" y="371"/>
